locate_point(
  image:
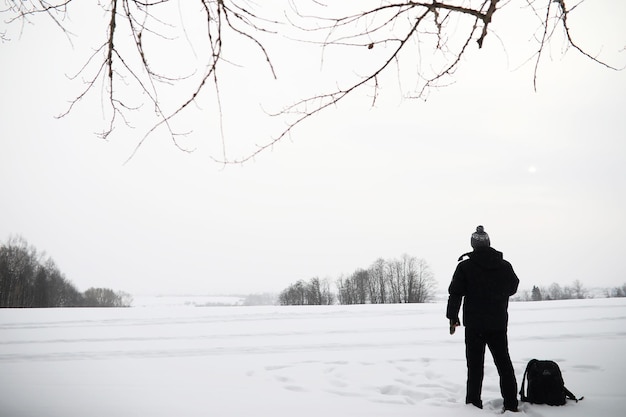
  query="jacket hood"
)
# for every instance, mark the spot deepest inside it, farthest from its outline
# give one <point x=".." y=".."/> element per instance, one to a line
<point x="487" y="258"/>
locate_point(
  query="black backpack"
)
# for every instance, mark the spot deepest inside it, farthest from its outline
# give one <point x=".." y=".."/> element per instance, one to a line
<point x="545" y="384"/>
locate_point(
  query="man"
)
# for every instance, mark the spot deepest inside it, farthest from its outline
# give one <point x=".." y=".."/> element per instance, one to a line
<point x="486" y="281"/>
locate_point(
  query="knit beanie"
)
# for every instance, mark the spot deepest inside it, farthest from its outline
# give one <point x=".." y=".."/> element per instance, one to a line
<point x="480" y="238"/>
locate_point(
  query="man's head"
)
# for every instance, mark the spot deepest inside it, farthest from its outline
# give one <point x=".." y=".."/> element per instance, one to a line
<point x="480" y="238"/>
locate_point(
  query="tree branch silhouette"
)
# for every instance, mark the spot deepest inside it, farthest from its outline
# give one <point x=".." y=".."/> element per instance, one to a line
<point x="124" y="61"/>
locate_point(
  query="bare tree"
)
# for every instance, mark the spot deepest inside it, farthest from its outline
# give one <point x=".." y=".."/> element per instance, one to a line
<point x="29" y="280"/>
<point x="555" y="292"/>
<point x="394" y="280"/>
<point x="423" y="283"/>
<point x="361" y="279"/>
<point x="328" y="298"/>
<point x="313" y="292"/>
<point x="295" y="294"/>
<point x="125" y="67"/>
<point x="578" y="290"/>
<point x="346" y="292"/>
<point x="411" y="280"/>
<point x="617" y="292"/>
<point x="377" y="284"/>
<point x="105" y="297"/>
<point x="18" y="268"/>
<point x="354" y="289"/>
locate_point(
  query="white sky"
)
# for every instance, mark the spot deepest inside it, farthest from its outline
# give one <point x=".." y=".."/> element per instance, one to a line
<point x="543" y="171"/>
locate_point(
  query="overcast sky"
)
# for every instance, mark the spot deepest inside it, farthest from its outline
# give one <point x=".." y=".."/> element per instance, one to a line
<point x="544" y="172"/>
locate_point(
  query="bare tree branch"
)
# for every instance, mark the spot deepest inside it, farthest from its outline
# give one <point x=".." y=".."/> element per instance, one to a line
<point x="126" y="60"/>
<point x="358" y="30"/>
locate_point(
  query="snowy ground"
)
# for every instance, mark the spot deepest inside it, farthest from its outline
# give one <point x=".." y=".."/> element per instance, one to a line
<point x="385" y="360"/>
<point x="187" y="301"/>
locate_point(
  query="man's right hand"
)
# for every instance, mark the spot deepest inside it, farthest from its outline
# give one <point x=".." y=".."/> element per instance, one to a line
<point x="453" y="325"/>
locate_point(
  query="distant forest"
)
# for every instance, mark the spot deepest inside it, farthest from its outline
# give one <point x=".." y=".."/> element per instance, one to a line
<point x="403" y="280"/>
<point x="576" y="291"/>
<point x="409" y="280"/>
<point x="29" y="279"/>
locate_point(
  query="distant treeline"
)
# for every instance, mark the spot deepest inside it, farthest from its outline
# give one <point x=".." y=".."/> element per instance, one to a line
<point x="403" y="280"/>
<point x="617" y="291"/>
<point x="576" y="291"/>
<point x="29" y="279"/>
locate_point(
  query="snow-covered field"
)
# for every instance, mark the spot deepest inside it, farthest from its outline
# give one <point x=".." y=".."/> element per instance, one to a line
<point x="372" y="360"/>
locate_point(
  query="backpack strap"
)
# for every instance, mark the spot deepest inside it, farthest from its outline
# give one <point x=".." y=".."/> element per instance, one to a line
<point x="463" y="256"/>
<point x="570" y="396"/>
<point x="523" y="396"/>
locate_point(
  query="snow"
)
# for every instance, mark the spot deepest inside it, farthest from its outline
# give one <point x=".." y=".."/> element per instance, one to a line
<point x="187" y="300"/>
<point x="369" y="360"/>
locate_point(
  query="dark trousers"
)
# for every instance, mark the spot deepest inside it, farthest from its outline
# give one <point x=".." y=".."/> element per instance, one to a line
<point x="475" y="342"/>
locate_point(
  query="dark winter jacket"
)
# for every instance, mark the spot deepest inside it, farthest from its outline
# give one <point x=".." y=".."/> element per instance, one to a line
<point x="486" y="281"/>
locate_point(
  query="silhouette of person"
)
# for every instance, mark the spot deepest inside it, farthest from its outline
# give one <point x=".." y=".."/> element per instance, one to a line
<point x="483" y="282"/>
